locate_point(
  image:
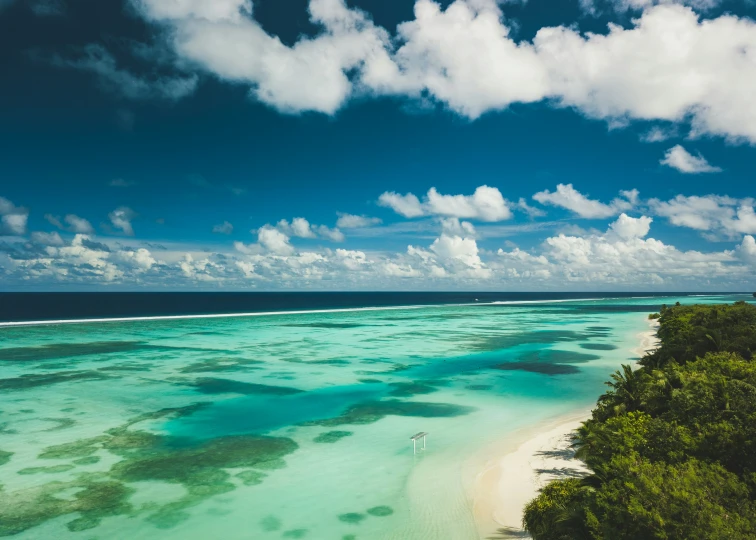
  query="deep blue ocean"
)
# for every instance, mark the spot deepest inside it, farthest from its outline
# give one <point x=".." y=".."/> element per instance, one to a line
<point x="99" y="305"/>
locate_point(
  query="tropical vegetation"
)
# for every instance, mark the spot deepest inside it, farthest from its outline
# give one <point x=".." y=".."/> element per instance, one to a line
<point x="672" y="444"/>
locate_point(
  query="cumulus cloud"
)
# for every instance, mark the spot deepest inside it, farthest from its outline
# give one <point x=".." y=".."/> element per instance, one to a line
<point x="455" y="227"/>
<point x="614" y="258"/>
<point x="310" y="75"/>
<point x="12" y="218"/>
<point x="466" y="57"/>
<point x="351" y="221"/>
<point x="223" y="228"/>
<point x="334" y="235"/>
<point x="680" y="159"/>
<point x="747" y="250"/>
<point x="658" y="134"/>
<point x="715" y="213"/>
<point x="274" y="240"/>
<point x="568" y="197"/>
<point x="121" y="218"/>
<point x="624" y="256"/>
<point x="73" y="223"/>
<point x="627" y="227"/>
<point x="485" y="204"/>
<point x="405" y="205"/>
<point x="47" y="239"/>
<point x="301" y="228"/>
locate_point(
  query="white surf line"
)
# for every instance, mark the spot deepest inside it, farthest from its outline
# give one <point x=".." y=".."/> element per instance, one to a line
<point x="305" y="312"/>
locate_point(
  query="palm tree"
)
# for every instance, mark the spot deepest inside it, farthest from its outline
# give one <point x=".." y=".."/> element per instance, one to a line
<point x="625" y="391"/>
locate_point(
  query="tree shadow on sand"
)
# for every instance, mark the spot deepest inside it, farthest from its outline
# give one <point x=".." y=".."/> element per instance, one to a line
<point x="507" y="533"/>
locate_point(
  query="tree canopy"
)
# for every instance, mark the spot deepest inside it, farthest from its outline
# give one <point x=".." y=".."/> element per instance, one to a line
<point x="671" y="445"/>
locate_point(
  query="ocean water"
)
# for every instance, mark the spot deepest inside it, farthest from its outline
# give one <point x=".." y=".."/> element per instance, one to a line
<point x="289" y="425"/>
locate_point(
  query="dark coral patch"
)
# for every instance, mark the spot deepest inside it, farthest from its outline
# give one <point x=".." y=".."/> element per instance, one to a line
<point x="598" y="346"/>
<point x="331" y="436"/>
<point x="200" y="465"/>
<point x="372" y="411"/>
<point x="75" y="449"/>
<point x="555" y="356"/>
<point x="352" y="517"/>
<point x="46" y="470"/>
<point x="327" y="325"/>
<point x="96" y="498"/>
<point x="228" y="386"/>
<point x="221" y="365"/>
<point x="380" y="511"/>
<point x="402" y="389"/>
<point x="270" y="523"/>
<point x="251" y="478"/>
<point x="540" y="367"/>
<point x="497" y="342"/>
<point x="295" y="533"/>
<point x="32" y="381"/>
<point x="67" y="350"/>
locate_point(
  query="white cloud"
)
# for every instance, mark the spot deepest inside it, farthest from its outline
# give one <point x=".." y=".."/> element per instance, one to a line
<point x="568" y="197"/>
<point x="611" y="258"/>
<point x="334" y="235"/>
<point x="352" y="259"/>
<point x="217" y="10"/>
<point x="301" y="228"/>
<point x="121" y="218"/>
<point x="449" y="256"/>
<point x="531" y="211"/>
<point x="14" y="224"/>
<point x="141" y="259"/>
<point x="405" y="205"/>
<point x="747" y="250"/>
<point x="485" y="204"/>
<point x="627" y="227"/>
<point x="47" y="239"/>
<point x="454" y="227"/>
<point x="680" y="159"/>
<point x="713" y="213"/>
<point x="274" y="241"/>
<point x="310" y="75"/>
<point x="12" y="218"/>
<point x="74" y="224"/>
<point x="351" y="221"/>
<point x="223" y="228"/>
<point x="659" y="134"/>
<point x="667" y="66"/>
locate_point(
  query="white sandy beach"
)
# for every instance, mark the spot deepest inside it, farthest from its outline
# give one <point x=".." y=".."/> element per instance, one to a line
<point x="506" y="484"/>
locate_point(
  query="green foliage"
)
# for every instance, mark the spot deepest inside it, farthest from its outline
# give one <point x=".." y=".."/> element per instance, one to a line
<point x="672" y="445"/>
<point x="689" y="332"/>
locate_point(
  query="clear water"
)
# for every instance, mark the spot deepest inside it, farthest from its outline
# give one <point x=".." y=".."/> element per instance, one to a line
<point x="290" y="425"/>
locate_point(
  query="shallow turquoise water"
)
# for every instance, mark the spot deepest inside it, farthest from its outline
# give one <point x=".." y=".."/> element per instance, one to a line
<point x="291" y="425"/>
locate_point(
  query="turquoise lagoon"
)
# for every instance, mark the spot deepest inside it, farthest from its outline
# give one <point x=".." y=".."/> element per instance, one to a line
<point x="288" y="425"/>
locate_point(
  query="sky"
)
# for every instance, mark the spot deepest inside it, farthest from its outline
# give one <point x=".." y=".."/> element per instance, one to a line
<point x="572" y="145"/>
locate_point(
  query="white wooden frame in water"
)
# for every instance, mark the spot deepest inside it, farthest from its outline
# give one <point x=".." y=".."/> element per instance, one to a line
<point x="415" y="437"/>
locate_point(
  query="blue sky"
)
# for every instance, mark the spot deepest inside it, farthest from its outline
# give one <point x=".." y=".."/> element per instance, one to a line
<point x="163" y="144"/>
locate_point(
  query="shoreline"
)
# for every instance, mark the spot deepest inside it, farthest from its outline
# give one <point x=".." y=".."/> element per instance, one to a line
<point x="507" y="482"/>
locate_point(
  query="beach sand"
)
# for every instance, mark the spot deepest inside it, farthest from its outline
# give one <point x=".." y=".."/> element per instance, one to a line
<point x="506" y="484"/>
